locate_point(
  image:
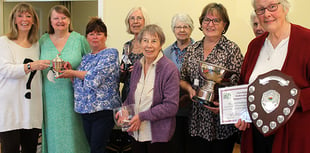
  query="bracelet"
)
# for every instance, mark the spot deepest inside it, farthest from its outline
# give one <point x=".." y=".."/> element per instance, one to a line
<point x="29" y="66"/>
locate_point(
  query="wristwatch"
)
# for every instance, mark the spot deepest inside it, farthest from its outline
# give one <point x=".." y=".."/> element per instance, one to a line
<point x="29" y="66"/>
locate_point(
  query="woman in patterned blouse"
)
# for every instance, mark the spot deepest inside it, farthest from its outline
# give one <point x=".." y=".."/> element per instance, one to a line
<point x="96" y="86"/>
<point x="136" y="19"/>
<point x="208" y="136"/>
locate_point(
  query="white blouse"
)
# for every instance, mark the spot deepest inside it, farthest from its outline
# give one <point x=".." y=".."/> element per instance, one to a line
<point x="270" y="58"/>
<point x="144" y="98"/>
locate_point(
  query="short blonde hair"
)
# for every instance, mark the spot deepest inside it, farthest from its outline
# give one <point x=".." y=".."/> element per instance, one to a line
<point x="145" y="16"/>
<point x="33" y="33"/>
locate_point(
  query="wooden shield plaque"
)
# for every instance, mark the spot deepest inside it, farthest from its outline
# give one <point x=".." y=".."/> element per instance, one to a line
<point x="271" y="100"/>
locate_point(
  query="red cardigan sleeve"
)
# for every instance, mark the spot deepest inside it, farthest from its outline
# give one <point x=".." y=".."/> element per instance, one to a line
<point x="297" y="63"/>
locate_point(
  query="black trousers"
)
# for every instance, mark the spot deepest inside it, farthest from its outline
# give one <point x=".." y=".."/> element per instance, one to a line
<point x="148" y="147"/>
<point x="200" y="145"/>
<point x="19" y="141"/>
<point x="98" y="127"/>
<point x="181" y="138"/>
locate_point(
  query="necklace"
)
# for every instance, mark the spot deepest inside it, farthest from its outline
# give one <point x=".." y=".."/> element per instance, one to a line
<point x="268" y="58"/>
<point x="269" y="50"/>
<point x="269" y="54"/>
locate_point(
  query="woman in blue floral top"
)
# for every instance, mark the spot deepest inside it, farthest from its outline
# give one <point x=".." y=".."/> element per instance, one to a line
<point x="96" y="86"/>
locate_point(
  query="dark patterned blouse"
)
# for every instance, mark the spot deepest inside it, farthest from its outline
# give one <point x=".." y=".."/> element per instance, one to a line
<point x="204" y="123"/>
<point x="125" y="77"/>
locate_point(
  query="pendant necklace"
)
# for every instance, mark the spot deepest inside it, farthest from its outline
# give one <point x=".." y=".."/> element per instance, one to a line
<point x="268" y="58"/>
<point x="269" y="54"/>
<point x="269" y="51"/>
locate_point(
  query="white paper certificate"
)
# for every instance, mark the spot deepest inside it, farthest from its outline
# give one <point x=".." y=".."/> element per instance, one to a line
<point x="233" y="104"/>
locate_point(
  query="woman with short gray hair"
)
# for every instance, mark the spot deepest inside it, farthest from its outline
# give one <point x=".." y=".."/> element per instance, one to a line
<point x="154" y="91"/>
<point x="182" y="26"/>
<point x="284" y="47"/>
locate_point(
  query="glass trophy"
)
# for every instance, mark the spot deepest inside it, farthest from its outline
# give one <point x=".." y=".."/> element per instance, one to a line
<point x="123" y="115"/>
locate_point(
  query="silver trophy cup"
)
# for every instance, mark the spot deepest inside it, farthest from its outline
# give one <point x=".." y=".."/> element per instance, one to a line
<point x="215" y="77"/>
<point x="58" y="65"/>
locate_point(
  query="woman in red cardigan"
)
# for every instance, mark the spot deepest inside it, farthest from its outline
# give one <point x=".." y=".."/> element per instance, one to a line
<point x="284" y="46"/>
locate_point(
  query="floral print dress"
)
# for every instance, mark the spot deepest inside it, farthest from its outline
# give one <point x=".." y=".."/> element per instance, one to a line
<point x="204" y="123"/>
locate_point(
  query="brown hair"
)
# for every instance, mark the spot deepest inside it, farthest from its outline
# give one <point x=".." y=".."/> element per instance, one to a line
<point x="96" y="24"/>
<point x="59" y="9"/>
<point x="33" y="33"/>
<point x="215" y="8"/>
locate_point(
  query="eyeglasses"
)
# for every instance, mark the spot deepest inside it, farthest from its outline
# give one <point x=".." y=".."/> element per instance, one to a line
<point x="151" y="41"/>
<point x="133" y="18"/>
<point x="215" y="21"/>
<point x="270" y="8"/>
<point x="185" y="27"/>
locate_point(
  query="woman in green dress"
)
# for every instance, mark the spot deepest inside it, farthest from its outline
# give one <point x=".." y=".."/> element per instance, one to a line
<point x="62" y="127"/>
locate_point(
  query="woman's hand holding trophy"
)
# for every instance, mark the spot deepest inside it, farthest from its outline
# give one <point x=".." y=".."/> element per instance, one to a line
<point x="123" y="116"/>
<point x="58" y="67"/>
<point x="213" y="75"/>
